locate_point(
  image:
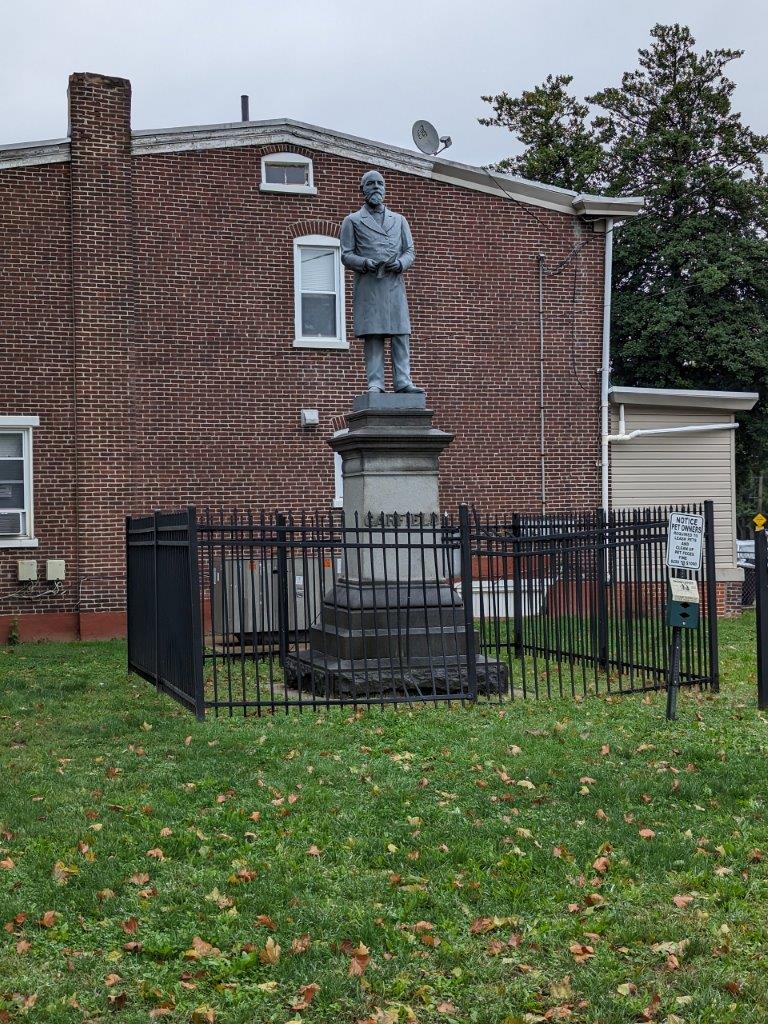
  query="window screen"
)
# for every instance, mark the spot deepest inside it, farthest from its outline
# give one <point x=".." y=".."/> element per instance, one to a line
<point x="12" y="472"/>
<point x="286" y="174"/>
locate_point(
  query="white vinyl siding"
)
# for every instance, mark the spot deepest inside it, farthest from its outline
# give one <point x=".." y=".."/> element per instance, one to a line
<point x="671" y="469"/>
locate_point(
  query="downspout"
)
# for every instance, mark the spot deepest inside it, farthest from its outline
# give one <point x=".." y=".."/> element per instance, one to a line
<point x="605" y="370"/>
<point x="542" y="419"/>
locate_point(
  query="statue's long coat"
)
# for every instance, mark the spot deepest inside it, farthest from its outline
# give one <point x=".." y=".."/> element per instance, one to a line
<point x="381" y="305"/>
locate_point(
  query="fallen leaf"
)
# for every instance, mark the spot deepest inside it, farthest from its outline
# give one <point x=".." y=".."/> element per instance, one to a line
<point x="141" y="878"/>
<point x="305" y="996"/>
<point x="646" y="833"/>
<point x="63" y="872"/>
<point x="7" y="864"/>
<point x="629" y="988"/>
<point x="112" y="979"/>
<point x="49" y="919"/>
<point x="313" y="851"/>
<point x="580" y="952"/>
<point x="605" y="749"/>
<point x="601" y="864"/>
<point x="301" y="945"/>
<point x="682" y="901"/>
<point x="445" y="1007"/>
<point x="270" y="954"/>
<point x="203" y="1015"/>
<point x="131" y="926"/>
<point x="266" y="922"/>
<point x="157" y="853"/>
<point x="117" y="1000"/>
<point x="105" y="894"/>
<point x="201" y="948"/>
<point x="359" y="961"/>
<point x="22" y="946"/>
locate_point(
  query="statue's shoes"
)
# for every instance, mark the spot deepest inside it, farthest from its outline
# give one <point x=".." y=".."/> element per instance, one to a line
<point x="375" y="391"/>
<point x="410" y="389"/>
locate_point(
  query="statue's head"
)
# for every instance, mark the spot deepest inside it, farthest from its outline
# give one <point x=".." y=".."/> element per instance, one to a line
<point x="373" y="188"/>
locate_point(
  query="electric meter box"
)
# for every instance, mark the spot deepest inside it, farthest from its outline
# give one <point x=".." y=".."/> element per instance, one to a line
<point x="683" y="603"/>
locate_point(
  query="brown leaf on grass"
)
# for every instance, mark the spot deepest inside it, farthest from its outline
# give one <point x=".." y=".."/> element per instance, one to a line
<point x="131" y="926"/>
<point x="187" y="740"/>
<point x="6" y="864"/>
<point x="605" y="749"/>
<point x="105" y="894"/>
<point x="203" y="1015"/>
<point x="160" y="1011"/>
<point x="682" y="901"/>
<point x="266" y="922"/>
<point x="672" y="964"/>
<point x="496" y="946"/>
<point x="446" y="1006"/>
<point x="23" y="945"/>
<point x="146" y="893"/>
<point x="573" y="908"/>
<point x="601" y="865"/>
<point x="133" y="947"/>
<point x="301" y="945"/>
<point x="117" y="1000"/>
<point x="629" y="988"/>
<point x="601" y="815"/>
<point x="580" y="952"/>
<point x="305" y="996"/>
<point x="358" y="961"/>
<point x="140" y="878"/>
<point x="165" y="832"/>
<point x="755" y="856"/>
<point x="157" y="853"/>
<point x="481" y="925"/>
<point x="313" y="851"/>
<point x="243" y="875"/>
<point x="646" y="833"/>
<point x="112" y="979"/>
<point x="63" y="872"/>
<point x="255" y="815"/>
<point x="270" y="954"/>
<point x="49" y="919"/>
<point x="201" y="948"/>
<point x="650" y="1012"/>
<point x="427" y="939"/>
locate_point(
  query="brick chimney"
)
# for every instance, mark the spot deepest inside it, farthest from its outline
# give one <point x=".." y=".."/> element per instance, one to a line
<point x="103" y="278"/>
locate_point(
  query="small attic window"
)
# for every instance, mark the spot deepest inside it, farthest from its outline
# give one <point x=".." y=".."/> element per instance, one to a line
<point x="287" y="172"/>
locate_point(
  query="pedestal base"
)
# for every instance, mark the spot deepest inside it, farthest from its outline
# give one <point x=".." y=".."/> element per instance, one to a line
<point x="385" y="679"/>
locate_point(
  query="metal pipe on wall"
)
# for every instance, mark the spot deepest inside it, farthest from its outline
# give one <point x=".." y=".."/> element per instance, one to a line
<point x="542" y="418"/>
<point x="605" y="370"/>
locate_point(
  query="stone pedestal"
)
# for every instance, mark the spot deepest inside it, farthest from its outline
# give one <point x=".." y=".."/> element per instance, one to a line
<point x="392" y="625"/>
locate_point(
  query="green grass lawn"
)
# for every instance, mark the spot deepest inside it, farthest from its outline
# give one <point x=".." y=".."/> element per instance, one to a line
<point x="554" y="861"/>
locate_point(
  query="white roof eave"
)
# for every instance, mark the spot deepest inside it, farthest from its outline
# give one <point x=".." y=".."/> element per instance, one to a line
<point x="690" y="398"/>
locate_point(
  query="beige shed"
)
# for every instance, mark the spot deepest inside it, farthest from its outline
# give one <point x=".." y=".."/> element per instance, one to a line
<point x="677" y="446"/>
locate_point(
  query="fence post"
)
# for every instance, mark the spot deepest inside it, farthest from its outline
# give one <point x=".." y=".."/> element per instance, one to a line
<point x="282" y="585"/>
<point x="602" y="589"/>
<point x="761" y="614"/>
<point x="128" y="589"/>
<point x="466" y="593"/>
<point x="195" y="607"/>
<point x="155" y="517"/>
<point x="711" y="584"/>
<point x="517" y="586"/>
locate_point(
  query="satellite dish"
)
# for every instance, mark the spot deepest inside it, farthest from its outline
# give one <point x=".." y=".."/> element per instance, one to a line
<point x="426" y="138"/>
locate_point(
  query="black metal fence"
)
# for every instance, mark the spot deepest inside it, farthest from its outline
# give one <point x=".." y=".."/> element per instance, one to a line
<point x="163" y="605"/>
<point x="255" y="613"/>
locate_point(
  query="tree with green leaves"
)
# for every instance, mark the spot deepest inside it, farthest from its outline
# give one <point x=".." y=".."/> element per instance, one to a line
<point x="690" y="305"/>
<point x="562" y="149"/>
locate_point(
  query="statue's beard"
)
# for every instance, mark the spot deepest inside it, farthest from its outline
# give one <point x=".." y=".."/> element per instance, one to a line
<point x="376" y="199"/>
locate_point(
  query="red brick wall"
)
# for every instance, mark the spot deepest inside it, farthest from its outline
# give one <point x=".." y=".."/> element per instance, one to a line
<point x="188" y="388"/>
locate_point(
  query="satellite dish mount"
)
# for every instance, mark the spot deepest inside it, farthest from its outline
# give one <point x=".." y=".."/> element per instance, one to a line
<point x="428" y="141"/>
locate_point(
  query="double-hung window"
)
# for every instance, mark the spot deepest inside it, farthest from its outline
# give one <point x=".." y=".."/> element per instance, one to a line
<point x="318" y="293"/>
<point x="16" y="506"/>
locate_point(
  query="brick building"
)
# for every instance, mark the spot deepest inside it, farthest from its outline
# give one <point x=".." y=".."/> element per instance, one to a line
<point x="171" y="300"/>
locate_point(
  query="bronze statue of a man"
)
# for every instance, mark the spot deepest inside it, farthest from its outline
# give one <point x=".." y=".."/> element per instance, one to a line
<point x="377" y="244"/>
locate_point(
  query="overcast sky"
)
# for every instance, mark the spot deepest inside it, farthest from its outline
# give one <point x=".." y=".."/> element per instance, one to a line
<point x="365" y="68"/>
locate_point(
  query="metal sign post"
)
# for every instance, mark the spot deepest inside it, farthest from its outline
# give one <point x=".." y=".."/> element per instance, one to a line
<point x="684" y="546"/>
<point x="761" y="608"/>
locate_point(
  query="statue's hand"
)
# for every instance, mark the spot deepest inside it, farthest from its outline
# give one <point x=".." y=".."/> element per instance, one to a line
<point x="394" y="266"/>
<point x="370" y="266"/>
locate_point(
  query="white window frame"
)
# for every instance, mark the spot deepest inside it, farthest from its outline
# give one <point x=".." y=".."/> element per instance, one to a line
<point x="288" y="158"/>
<point x="325" y="242"/>
<point x="23" y="425"/>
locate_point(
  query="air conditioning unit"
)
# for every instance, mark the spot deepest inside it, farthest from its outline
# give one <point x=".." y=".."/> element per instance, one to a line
<point x="245" y="593"/>
<point x="10" y="524"/>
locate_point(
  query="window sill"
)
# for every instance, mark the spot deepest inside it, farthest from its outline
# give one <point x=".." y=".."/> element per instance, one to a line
<point x="296" y="190"/>
<point x="337" y="343"/>
<point x="19" y="542"/>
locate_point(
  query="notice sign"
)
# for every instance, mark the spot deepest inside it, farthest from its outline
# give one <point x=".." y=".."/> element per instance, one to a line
<point x="684" y="538"/>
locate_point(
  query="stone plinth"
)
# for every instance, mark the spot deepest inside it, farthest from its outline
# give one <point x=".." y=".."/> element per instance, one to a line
<point x="392" y="624"/>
